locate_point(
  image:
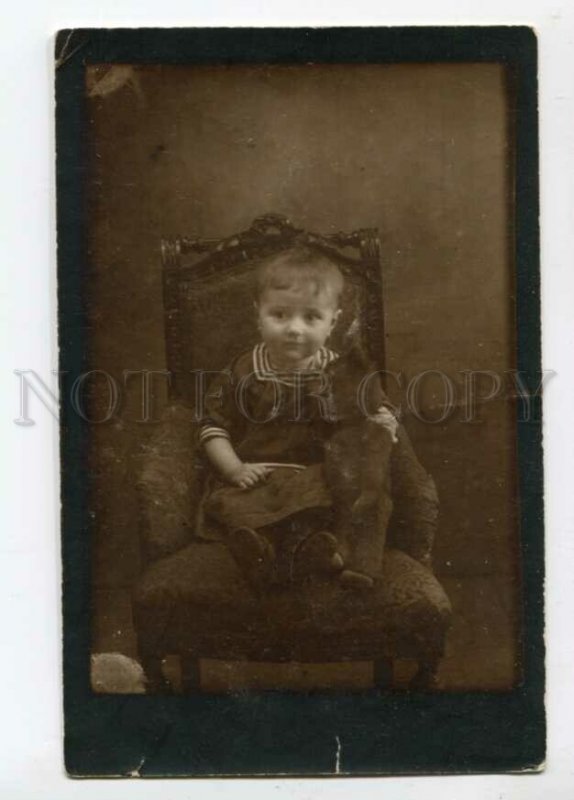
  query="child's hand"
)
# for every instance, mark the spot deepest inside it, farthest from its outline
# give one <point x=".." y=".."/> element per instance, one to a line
<point x="249" y="475"/>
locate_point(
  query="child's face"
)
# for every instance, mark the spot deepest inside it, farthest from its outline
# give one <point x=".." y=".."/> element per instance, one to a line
<point x="295" y="322"/>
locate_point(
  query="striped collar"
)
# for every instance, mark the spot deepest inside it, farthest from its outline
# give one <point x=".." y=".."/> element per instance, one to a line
<point x="265" y="372"/>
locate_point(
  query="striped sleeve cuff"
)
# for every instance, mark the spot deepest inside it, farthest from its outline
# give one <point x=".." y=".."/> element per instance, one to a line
<point x="208" y="432"/>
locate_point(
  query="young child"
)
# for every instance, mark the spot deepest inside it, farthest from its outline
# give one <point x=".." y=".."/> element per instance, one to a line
<point x="266" y="424"/>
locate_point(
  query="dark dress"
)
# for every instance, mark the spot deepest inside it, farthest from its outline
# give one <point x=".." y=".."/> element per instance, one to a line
<point x="277" y="418"/>
<point x="269" y="417"/>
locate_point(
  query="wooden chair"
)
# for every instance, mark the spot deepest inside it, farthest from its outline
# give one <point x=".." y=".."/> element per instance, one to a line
<point x="191" y="599"/>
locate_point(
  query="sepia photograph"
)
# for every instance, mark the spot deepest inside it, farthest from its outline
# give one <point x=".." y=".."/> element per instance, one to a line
<point x="300" y="382"/>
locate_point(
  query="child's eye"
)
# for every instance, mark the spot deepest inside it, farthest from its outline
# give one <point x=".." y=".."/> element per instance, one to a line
<point x="278" y="314"/>
<point x="313" y="316"/>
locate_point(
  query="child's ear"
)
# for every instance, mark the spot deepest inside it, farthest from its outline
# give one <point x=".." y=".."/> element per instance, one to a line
<point x="336" y="316"/>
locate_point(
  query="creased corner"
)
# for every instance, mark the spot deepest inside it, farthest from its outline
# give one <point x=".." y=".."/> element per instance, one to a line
<point x="67" y="50"/>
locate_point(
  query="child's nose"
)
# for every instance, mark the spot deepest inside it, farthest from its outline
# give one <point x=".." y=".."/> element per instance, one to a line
<point x="295" y="325"/>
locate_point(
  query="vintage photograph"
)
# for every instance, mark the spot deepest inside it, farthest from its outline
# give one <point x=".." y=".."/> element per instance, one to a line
<point x="302" y="397"/>
<point x="232" y="209"/>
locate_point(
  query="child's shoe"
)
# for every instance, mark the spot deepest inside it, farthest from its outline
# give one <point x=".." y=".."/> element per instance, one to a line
<point x="254" y="555"/>
<point x="316" y="554"/>
<point x="356" y="580"/>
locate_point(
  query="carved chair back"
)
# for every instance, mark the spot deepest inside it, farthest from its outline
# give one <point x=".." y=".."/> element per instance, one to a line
<point x="209" y="293"/>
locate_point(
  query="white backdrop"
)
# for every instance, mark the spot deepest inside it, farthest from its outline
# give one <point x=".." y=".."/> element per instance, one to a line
<point x="31" y="763"/>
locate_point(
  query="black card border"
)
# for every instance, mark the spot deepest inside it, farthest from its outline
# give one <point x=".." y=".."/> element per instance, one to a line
<point x="282" y="733"/>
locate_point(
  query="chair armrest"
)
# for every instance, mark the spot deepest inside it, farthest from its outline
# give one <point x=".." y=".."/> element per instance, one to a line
<point x="168" y="485"/>
<point x="413" y="523"/>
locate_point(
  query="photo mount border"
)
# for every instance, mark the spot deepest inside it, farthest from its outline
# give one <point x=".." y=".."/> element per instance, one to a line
<point x="378" y="733"/>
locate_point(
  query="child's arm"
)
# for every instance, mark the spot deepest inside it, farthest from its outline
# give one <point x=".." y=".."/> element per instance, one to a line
<point x="220" y="452"/>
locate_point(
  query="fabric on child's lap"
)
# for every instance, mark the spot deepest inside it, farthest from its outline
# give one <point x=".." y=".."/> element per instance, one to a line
<point x="285" y="492"/>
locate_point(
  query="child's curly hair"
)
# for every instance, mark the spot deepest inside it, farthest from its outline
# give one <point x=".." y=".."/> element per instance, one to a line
<point x="301" y="265"/>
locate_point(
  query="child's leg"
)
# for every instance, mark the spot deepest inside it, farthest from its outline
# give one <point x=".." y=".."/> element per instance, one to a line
<point x="304" y="545"/>
<point x="284" y="537"/>
<point x="254" y="555"/>
<point x="317" y="552"/>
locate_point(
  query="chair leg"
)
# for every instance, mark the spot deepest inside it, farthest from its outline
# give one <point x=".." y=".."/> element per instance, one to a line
<point x="156" y="683"/>
<point x="190" y="674"/>
<point x="383" y="673"/>
<point x="426" y="679"/>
